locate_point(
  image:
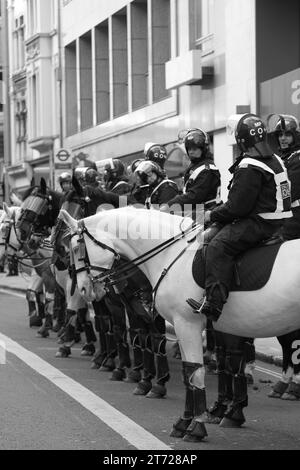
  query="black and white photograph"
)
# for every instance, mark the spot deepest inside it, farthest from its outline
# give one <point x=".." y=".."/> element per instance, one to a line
<point x="149" y="228"/>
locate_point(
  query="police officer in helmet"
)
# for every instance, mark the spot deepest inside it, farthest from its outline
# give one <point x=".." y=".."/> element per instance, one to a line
<point x="287" y="136"/>
<point x="202" y="180"/>
<point x="65" y="181"/>
<point x="257" y="206"/>
<point x="160" y="189"/>
<point x="115" y="179"/>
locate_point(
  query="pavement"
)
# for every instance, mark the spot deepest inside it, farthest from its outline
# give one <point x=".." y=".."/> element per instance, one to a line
<point x="267" y="349"/>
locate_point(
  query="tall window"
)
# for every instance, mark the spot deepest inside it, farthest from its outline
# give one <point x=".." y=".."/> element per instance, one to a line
<point x="19" y="44"/>
<point x="201" y="24"/>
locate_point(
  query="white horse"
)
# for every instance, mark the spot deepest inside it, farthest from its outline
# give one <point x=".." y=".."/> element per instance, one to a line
<point x="270" y="311"/>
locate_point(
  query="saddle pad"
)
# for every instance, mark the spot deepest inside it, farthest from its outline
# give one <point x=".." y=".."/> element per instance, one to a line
<point x="253" y="268"/>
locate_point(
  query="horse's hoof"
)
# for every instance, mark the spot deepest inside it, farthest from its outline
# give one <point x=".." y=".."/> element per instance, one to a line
<point x="278" y="389"/>
<point x="157" y="391"/>
<point x="196" y="432"/>
<point x="142" y="388"/>
<point x="180" y="427"/>
<point x="35" y="321"/>
<point x="231" y="423"/>
<point x="289" y="396"/>
<point x="209" y="418"/>
<point x="134" y="376"/>
<point x="273" y="394"/>
<point x="108" y="365"/>
<point x="43" y="334"/>
<point x="95" y="366"/>
<point x="118" y="375"/>
<point x="63" y="352"/>
<point x="88" y="350"/>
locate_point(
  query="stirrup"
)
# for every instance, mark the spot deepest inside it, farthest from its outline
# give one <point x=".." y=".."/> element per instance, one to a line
<point x="195" y="305"/>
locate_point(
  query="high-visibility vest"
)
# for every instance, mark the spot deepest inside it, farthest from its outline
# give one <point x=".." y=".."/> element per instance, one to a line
<point x="283" y="188"/>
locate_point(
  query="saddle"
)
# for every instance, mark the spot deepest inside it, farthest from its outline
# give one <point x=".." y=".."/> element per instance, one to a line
<point x="252" y="268"/>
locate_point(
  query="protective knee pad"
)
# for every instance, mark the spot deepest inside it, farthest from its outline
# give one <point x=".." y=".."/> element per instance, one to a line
<point x="159" y="343"/>
<point x="81" y="316"/>
<point x="120" y="334"/>
<point x="188" y="371"/>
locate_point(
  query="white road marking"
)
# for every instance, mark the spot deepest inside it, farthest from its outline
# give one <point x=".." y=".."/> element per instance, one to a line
<point x="11" y="292"/>
<point x="121" y="424"/>
<point x="268" y="372"/>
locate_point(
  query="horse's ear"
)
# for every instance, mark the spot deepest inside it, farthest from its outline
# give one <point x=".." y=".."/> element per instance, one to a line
<point x="77" y="186"/>
<point x="68" y="220"/>
<point x="7" y="209"/>
<point x="43" y="186"/>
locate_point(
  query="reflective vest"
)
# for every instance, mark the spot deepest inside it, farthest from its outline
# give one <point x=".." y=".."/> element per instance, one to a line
<point x="195" y="175"/>
<point x="283" y="188"/>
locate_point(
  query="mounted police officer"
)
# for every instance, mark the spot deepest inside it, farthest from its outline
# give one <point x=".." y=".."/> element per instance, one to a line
<point x="202" y="180"/>
<point x="160" y="189"/>
<point x="287" y="134"/>
<point x="257" y="206"/>
<point x="65" y="181"/>
<point x="115" y="179"/>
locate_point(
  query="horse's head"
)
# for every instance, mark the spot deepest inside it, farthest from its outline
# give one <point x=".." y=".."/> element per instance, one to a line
<point x="9" y="241"/>
<point x="39" y="212"/>
<point x="84" y="248"/>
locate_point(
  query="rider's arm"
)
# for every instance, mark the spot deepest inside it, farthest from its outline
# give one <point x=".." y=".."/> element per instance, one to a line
<point x="242" y="197"/>
<point x="200" y="191"/>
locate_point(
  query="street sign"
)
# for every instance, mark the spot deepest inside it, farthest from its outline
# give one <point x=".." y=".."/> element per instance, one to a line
<point x="63" y="160"/>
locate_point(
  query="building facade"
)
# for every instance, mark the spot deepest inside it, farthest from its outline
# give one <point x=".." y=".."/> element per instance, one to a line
<point x="1" y="111"/>
<point x="103" y="78"/>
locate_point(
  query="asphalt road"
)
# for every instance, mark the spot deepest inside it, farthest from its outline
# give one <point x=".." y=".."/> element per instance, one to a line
<point x="50" y="403"/>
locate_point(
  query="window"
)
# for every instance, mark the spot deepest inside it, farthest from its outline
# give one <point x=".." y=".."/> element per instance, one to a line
<point x="201" y="25"/>
<point x="19" y="43"/>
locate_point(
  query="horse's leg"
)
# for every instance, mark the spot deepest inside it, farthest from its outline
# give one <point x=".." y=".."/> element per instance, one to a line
<point x="191" y="425"/>
<point x="293" y="391"/>
<point x="83" y="318"/>
<point x="33" y="295"/>
<point x="102" y="326"/>
<point x="59" y="310"/>
<point x="120" y="336"/>
<point x="225" y="390"/>
<point x="235" y="366"/>
<point x="48" y="323"/>
<point x="209" y="356"/>
<point x="158" y="341"/>
<point x="281" y="386"/>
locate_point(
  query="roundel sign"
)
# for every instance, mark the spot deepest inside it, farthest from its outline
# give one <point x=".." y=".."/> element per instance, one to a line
<point x="63" y="155"/>
<point x="63" y="159"/>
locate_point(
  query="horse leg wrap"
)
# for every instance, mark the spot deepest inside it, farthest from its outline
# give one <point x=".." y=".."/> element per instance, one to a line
<point x="111" y="344"/>
<point x="70" y="331"/>
<point x="149" y="362"/>
<point x="122" y="345"/>
<point x="162" y="366"/>
<point x="89" y="332"/>
<point x="40" y="304"/>
<point x="137" y="351"/>
<point x="249" y="350"/>
<point x="235" y="365"/>
<point x="195" y="402"/>
<point x="225" y="390"/>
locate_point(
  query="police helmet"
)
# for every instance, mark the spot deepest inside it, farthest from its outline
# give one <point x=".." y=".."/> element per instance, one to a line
<point x="114" y="168"/>
<point x="288" y="124"/>
<point x="196" y="138"/>
<point x="250" y="132"/>
<point x="156" y="153"/>
<point x="91" y="176"/>
<point x="145" y="168"/>
<point x="64" y="178"/>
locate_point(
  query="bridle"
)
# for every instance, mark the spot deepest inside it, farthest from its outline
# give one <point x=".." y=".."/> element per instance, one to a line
<point x="114" y="275"/>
